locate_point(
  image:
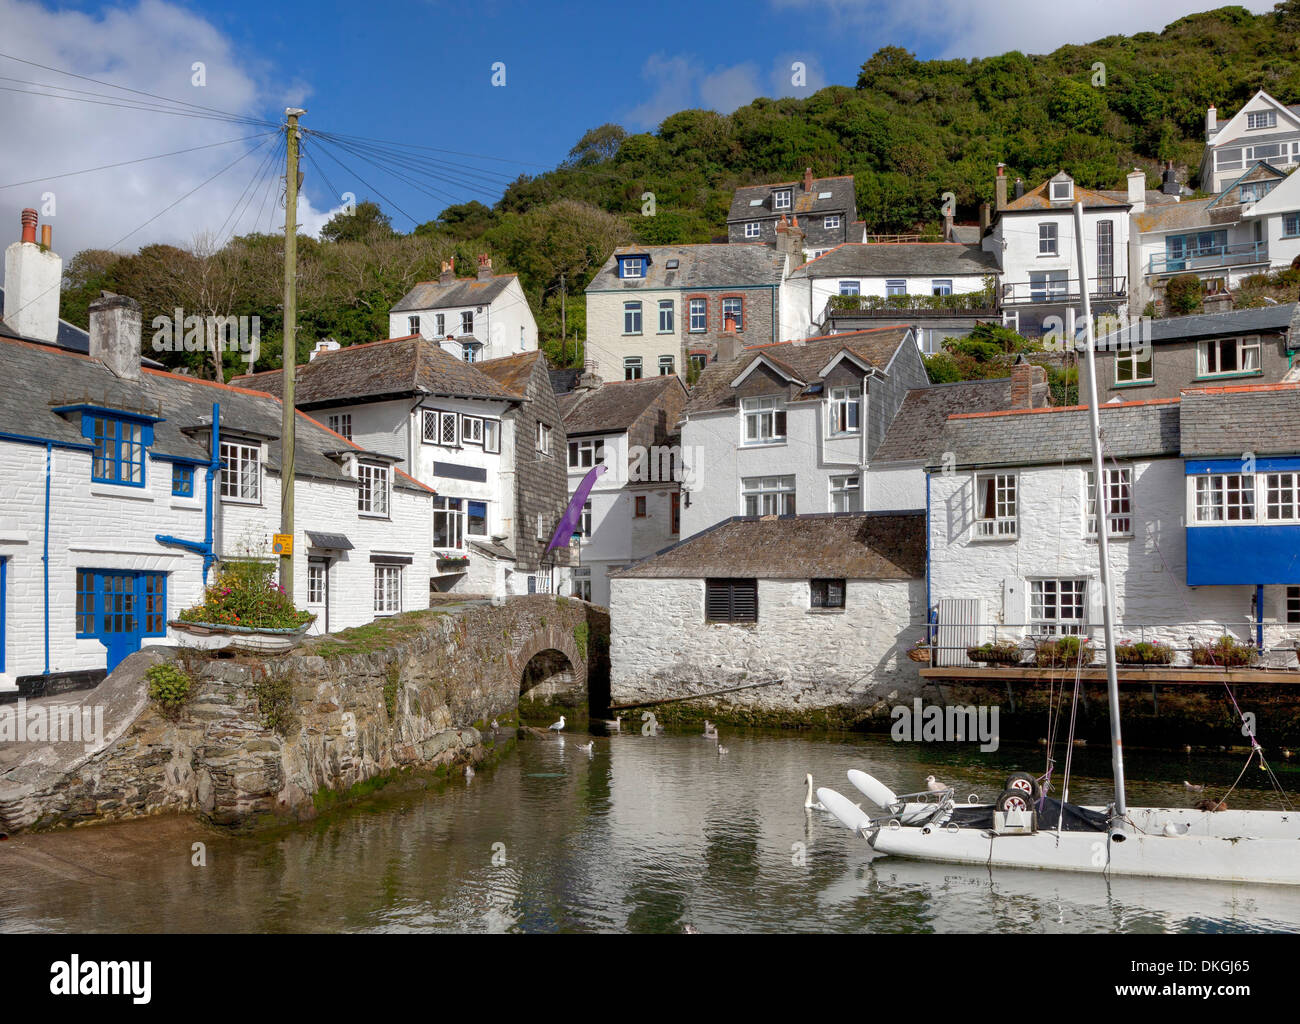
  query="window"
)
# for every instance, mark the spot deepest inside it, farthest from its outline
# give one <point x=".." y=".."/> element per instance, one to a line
<point x="543" y="438"/>
<point x="675" y="513"/>
<point x="471" y="429"/>
<point x="826" y="593"/>
<point x="1282" y="497"/>
<point x="1047" y="238"/>
<point x="182" y="480"/>
<point x="995" y="505"/>
<point x="542" y="582"/>
<point x="1105" y="253"/>
<point x="241" y="471"/>
<point x="1057" y="606"/>
<point x="764" y="420"/>
<point x="448" y="523"/>
<point x="584" y="521"/>
<point x="1135" y="365"/>
<point x="121" y="602"/>
<point x="845" y="493"/>
<point x="315" y="583"/>
<point x="582" y="584"/>
<point x="372" y="489"/>
<point x="698" y="360"/>
<point x="666" y="366"/>
<point x="1045" y="285"/>
<point x="469" y="352"/>
<point x="896" y="287"/>
<point x="1062" y="190"/>
<point x="850" y="288"/>
<point x="753" y="229"/>
<point x="119" y="451"/>
<point x="492" y="436"/>
<point x="731" y="600"/>
<point x="781" y="200"/>
<point x="1290" y="225"/>
<point x="632" y="368"/>
<point x="413" y="325"/>
<point x="631" y="318"/>
<point x="768" y="495"/>
<point x="440" y="325"/>
<point x="388" y="589"/>
<point x="734" y="310"/>
<point x="638" y="507"/>
<point x="1119" y="502"/>
<point x="845" y="407"/>
<point x="467" y="322"/>
<point x="631" y="268"/>
<point x="833" y="221"/>
<point x="699" y="314"/>
<point x="476" y="519"/>
<point x="341" y="423"/>
<point x="941" y="287"/>
<point x="1225" y="498"/>
<point x="441" y="428"/>
<point x="1227" y="355"/>
<point x="585" y="454"/>
<point x="1293" y="604"/>
<point x="1254" y="191"/>
<point x="541" y="530"/>
<point x="666" y="316"/>
<point x="1261" y="119"/>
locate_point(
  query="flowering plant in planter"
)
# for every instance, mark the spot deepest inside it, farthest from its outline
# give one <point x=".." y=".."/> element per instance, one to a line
<point x="1225" y="652"/>
<point x="245" y="595"/>
<point x="453" y="561"/>
<point x="1066" y="651"/>
<point x="1142" y="652"/>
<point x="996" y="653"/>
<point x="919" y="651"/>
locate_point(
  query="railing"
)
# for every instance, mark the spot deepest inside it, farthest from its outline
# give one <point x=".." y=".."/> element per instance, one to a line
<point x="981" y="304"/>
<point x="901" y="239"/>
<point x="1209" y="257"/>
<point x="1063" y="290"/>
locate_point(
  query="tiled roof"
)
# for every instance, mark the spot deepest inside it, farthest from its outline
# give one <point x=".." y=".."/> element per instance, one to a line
<point x="799" y="359"/>
<point x="1035" y="437"/>
<point x="36" y="377"/>
<point x="848" y="545"/>
<point x="464" y="291"/>
<point x="918" y="425"/>
<point x="612" y="407"/>
<point x="1229" y="422"/>
<point x="1235" y="321"/>
<point x="1037" y="199"/>
<point x="737" y="265"/>
<point x="1190" y="213"/>
<point x="562" y="380"/>
<point x="841" y="199"/>
<point x="880" y="259"/>
<point x="512" y="373"/>
<point x="380" y="369"/>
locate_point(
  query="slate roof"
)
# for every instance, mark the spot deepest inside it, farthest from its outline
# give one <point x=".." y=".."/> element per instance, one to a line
<point x="1036" y="437"/>
<point x="464" y="291"/>
<point x="512" y="373"/>
<point x="378" y="370"/>
<point x="1235" y="321"/>
<point x="1227" y="422"/>
<point x="800" y="359"/>
<point x="919" y="422"/>
<point x="733" y="265"/>
<point x="562" y="381"/>
<point x="848" y="545"/>
<point x="842" y="199"/>
<point x="1190" y="213"/>
<point x="1037" y="199"/>
<point x="612" y="407"/>
<point x="37" y="377"/>
<point x="69" y="336"/>
<point x="908" y="259"/>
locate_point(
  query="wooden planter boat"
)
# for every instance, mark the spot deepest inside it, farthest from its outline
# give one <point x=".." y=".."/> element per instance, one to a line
<point x="212" y="636"/>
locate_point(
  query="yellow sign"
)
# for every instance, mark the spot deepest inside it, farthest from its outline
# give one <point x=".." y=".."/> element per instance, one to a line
<point x="282" y="544"/>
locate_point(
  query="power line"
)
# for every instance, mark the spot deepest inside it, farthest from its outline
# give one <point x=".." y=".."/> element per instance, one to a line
<point x="249" y="190"/>
<point x="435" y="149"/>
<point x="143" y="107"/>
<point x="369" y="186"/>
<point x="414" y="159"/>
<point x="432" y="191"/>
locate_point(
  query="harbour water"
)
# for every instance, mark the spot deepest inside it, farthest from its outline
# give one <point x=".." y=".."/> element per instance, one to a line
<point x="645" y="834"/>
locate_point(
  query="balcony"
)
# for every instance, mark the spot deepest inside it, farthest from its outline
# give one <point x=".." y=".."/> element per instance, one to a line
<point x="1210" y="257"/>
<point x="1064" y="291"/>
<point x="982" y="305"/>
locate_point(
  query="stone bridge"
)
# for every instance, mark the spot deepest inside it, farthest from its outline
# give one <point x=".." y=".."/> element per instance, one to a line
<point x="262" y="739"/>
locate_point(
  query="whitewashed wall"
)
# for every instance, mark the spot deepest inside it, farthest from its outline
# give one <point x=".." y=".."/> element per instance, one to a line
<point x="505" y="327"/>
<point x="1017" y="235"/>
<point x="895" y="486"/>
<point x="607" y="345"/>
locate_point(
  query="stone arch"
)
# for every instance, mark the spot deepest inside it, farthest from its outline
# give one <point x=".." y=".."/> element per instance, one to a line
<point x="549" y="658"/>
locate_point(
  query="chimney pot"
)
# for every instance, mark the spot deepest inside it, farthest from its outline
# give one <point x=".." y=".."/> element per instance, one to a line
<point x="29" y="225"/>
<point x="47" y="237"/>
<point x="484" y="266"/>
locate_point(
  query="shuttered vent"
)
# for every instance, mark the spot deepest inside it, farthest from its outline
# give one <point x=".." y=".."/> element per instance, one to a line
<point x="960" y="626"/>
<point x="731" y="600"/>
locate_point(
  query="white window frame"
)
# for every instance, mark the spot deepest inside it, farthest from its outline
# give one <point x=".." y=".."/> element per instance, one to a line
<point x="441" y="421"/>
<point x="844" y="412"/>
<point x="491" y="436"/>
<point x="632" y="268"/>
<point x="586" y="454"/>
<point x="1260" y="119"/>
<point x="1127" y="359"/>
<point x="897" y="286"/>
<point x="1004" y="523"/>
<point x="1280" y="490"/>
<point x="373" y="484"/>
<point x="760" y="418"/>
<point x="1219" y="498"/>
<point x="467" y="321"/>
<point x="941" y="286"/>
<point x="452" y="512"/>
<point x="1049" y="598"/>
<point x="831" y="221"/>
<point x="1119" y="502"/>
<point x="1049" y="239"/>
<point x="1242" y="348"/>
<point x="768" y="495"/>
<point x="737" y="304"/>
<point x="850" y="287"/>
<point x="753" y="229"/>
<point x="697" y="309"/>
<point x="846" y="491"/>
<point x="388" y="588"/>
<point x="440" y="325"/>
<point x="238" y="485"/>
<point x="584" y="524"/>
<point x="413" y="324"/>
<point x="315" y="582"/>
<point x="543" y="438"/>
<point x="541" y="528"/>
<point x="1062" y="191"/>
<point x="471" y="430"/>
<point x="782" y="199"/>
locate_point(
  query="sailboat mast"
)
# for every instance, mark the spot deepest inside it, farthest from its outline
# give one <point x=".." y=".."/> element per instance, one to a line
<point x="1103" y="524"/>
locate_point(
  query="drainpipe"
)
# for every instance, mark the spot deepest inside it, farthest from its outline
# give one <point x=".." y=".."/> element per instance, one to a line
<point x="1259" y="616"/>
<point x="45" y="556"/>
<point x="929" y="616"/>
<point x="205" y="548"/>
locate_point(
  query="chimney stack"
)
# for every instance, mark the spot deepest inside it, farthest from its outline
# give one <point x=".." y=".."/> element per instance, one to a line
<point x="807" y="179"/>
<point x="1020" y="187"/>
<point x="33" y="279"/>
<point x="115" y="334"/>
<point x="1028" y="385"/>
<point x="324" y="345"/>
<point x="1137" y="189"/>
<point x="1211" y="122"/>
<point x="448" y="274"/>
<point x="986" y="217"/>
<point x="484" y="266"/>
<point x="1170" y="186"/>
<point x="1000" y="187"/>
<point x="789" y="240"/>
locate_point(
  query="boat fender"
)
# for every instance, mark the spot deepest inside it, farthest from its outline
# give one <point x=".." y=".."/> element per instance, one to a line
<point x="972" y="798"/>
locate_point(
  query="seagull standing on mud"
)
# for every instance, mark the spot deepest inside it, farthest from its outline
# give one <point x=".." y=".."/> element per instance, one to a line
<point x="557" y="726"/>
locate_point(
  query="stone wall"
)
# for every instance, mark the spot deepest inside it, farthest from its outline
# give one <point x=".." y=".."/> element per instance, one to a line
<point x="413" y="693"/>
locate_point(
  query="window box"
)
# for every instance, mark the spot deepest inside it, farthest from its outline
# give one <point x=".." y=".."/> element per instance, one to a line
<point x="452" y="563"/>
<point x="1143" y="653"/>
<point x="1225" y="652"/>
<point x="1003" y="653"/>
<point x="1065" y="652"/>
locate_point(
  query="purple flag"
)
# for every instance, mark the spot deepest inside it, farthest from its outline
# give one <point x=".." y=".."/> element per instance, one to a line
<point x="573" y="514"/>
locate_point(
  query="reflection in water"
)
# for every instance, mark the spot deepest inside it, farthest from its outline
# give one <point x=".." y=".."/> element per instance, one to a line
<point x="650" y="834"/>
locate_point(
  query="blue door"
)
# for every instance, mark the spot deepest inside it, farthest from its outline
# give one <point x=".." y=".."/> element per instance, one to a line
<point x="119" y="609"/>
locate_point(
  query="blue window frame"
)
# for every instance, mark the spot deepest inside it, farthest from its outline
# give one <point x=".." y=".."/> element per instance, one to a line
<point x="119" y="447"/>
<point x="112" y="603"/>
<point x="4" y="566"/>
<point x="1290" y="225"/>
<point x="182" y="480"/>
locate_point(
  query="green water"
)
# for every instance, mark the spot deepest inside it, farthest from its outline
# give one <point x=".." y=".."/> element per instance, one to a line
<point x="647" y="834"/>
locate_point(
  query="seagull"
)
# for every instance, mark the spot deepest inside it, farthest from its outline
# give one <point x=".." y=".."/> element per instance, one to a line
<point x="557" y="726"/>
<point x="494" y="725"/>
<point x="934" y="786"/>
<point x="721" y="749"/>
<point x="591" y="745"/>
<point x="1192" y="789"/>
<point x="808" y="801"/>
<point x="616" y="725"/>
<point x="710" y="730"/>
<point x="689" y="929"/>
<point x="469" y="773"/>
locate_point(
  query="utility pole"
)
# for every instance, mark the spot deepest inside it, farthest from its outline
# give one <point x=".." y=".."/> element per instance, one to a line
<point x="289" y="359"/>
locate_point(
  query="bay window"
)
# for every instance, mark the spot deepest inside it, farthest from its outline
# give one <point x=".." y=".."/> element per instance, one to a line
<point x="1225" y="498"/>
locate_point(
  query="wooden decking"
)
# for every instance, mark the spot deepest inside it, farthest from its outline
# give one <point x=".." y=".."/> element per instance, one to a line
<point x="1157" y="674"/>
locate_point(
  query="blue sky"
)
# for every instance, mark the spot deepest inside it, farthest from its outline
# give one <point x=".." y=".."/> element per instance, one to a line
<point x="421" y="72"/>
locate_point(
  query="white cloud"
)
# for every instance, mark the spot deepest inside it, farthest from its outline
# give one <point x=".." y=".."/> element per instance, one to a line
<point x="784" y="75"/>
<point x="728" y="88"/>
<point x="961" y="28"/>
<point x="672" y="86"/>
<point x="151" y="47"/>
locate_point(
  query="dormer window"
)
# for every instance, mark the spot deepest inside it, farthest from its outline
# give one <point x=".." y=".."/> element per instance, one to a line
<point x="119" y="449"/>
<point x="1062" y="191"/>
<point x="372" y="489"/>
<point x="241" y="472"/>
<point x="781" y="200"/>
<point x="413" y="325"/>
<point x="631" y="267"/>
<point x="1261" y="119"/>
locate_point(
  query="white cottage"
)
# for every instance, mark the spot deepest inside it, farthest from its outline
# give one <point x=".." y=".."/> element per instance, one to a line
<point x="1263" y="129"/>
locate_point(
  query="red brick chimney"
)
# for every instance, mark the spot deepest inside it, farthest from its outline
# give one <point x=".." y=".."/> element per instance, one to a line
<point x="1000" y="185"/>
<point x="1028" y="385"/>
<point x="484" y="266"/>
<point x="807" y="179"/>
<point x="29" y="225"/>
<point x="789" y="239"/>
